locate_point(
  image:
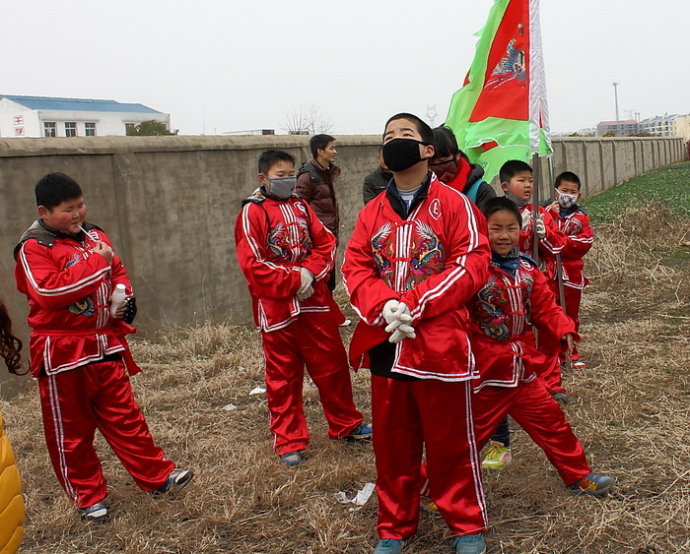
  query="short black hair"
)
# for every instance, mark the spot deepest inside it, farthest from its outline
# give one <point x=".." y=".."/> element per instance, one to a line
<point x="445" y="143"/>
<point x="511" y="168"/>
<point x="501" y="203"/>
<point x="319" y="142"/>
<point x="422" y="128"/>
<point x="270" y="157"/>
<point x="567" y="176"/>
<point x="55" y="188"/>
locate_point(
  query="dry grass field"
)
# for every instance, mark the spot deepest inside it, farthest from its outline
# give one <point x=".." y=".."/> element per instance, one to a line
<point x="630" y="408"/>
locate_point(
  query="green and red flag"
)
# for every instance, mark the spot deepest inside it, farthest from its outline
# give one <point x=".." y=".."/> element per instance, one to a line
<point x="500" y="113"/>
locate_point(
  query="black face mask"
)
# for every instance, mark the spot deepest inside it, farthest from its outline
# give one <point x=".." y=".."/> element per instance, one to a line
<point x="400" y="154"/>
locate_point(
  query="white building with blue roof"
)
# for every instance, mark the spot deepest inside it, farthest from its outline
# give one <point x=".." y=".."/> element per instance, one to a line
<point x="43" y="116"/>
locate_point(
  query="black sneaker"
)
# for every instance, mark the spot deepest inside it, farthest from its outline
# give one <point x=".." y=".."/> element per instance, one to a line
<point x="177" y="479"/>
<point x="596" y="484"/>
<point x="362" y="432"/>
<point x="292" y="459"/>
<point x="560" y="397"/>
<point x="96" y="513"/>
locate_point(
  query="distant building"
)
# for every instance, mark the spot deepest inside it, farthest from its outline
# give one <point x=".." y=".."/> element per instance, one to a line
<point x="619" y="128"/>
<point x="252" y="132"/>
<point x="42" y="116"/>
<point x="674" y="125"/>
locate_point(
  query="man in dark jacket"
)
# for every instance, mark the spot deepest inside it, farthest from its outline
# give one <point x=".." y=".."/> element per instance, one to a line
<point x="377" y="181"/>
<point x="315" y="184"/>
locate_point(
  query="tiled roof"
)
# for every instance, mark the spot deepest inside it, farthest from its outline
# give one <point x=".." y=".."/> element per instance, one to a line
<point x="76" y="104"/>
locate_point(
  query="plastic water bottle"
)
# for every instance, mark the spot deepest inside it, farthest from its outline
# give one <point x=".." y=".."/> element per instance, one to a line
<point x="118" y="298"/>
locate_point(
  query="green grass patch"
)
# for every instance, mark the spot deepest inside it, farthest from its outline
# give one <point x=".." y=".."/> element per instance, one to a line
<point x="669" y="186"/>
<point x="678" y="258"/>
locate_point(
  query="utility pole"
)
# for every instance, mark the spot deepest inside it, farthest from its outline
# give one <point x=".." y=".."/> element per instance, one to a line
<point x="615" y="92"/>
<point x="431" y="114"/>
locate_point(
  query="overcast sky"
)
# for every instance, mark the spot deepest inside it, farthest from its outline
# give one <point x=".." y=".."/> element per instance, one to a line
<point x="231" y="65"/>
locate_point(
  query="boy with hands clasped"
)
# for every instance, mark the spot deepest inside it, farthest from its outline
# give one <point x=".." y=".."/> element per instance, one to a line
<point x="287" y="255"/>
<point x="415" y="258"/>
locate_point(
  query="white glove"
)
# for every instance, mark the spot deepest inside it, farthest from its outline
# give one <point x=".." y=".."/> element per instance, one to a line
<point x="401" y="333"/>
<point x="306" y="277"/>
<point x="306" y="294"/>
<point x="526" y="220"/>
<point x="398" y="317"/>
<point x="390" y="309"/>
<point x="401" y="315"/>
<point x="305" y="289"/>
<point x="541" y="228"/>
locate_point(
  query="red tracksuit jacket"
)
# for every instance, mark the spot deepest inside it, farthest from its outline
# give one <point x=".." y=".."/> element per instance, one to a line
<point x="434" y="261"/>
<point x="579" y="238"/>
<point x="273" y="239"/>
<point x="502" y="315"/>
<point x="69" y="288"/>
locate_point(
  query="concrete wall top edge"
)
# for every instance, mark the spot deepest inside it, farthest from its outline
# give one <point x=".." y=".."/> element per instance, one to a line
<point x="18" y="147"/>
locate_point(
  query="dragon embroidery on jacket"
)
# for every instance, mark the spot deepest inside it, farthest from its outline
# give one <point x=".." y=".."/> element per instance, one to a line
<point x="280" y="245"/>
<point x="82" y="307"/>
<point x="382" y="249"/>
<point x="490" y="308"/>
<point x="427" y="257"/>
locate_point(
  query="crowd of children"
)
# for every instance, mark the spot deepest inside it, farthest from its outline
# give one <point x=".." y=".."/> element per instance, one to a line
<point x="459" y="325"/>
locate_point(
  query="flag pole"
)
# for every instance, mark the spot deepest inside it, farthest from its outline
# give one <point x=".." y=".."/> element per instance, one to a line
<point x="536" y="173"/>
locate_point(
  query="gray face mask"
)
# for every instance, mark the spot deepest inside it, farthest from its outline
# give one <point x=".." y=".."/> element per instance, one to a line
<point x="519" y="202"/>
<point x="282" y="188"/>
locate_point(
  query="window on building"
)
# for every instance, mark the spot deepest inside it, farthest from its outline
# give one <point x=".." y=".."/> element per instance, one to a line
<point x="90" y="129"/>
<point x="49" y="129"/>
<point x="129" y="128"/>
<point x="70" y="128"/>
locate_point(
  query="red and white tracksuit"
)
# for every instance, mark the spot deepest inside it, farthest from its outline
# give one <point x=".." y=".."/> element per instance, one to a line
<point x="274" y="239"/>
<point x="549" y="247"/>
<point x="579" y="239"/>
<point x="80" y="356"/>
<point x="503" y="313"/>
<point x="434" y="261"/>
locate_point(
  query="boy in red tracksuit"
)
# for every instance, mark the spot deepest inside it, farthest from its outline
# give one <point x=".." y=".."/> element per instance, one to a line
<point x="416" y="256"/>
<point x="574" y="223"/>
<point x="287" y="255"/>
<point x="517" y="182"/>
<point x="67" y="269"/>
<point x="515" y="298"/>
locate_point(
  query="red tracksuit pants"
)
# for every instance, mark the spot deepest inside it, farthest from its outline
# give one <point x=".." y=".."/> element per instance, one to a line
<point x="409" y="416"/>
<point x="313" y="340"/>
<point x="98" y="396"/>
<point x="531" y="405"/>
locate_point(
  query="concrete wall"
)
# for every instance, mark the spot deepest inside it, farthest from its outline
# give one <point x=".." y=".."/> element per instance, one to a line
<point x="169" y="204"/>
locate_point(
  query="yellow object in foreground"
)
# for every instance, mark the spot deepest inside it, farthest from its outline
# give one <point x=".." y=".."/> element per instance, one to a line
<point x="11" y="499"/>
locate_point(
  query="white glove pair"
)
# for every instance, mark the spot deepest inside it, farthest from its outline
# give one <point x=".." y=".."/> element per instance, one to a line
<point x="527" y="222"/>
<point x="398" y="319"/>
<point x="305" y="289"/>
